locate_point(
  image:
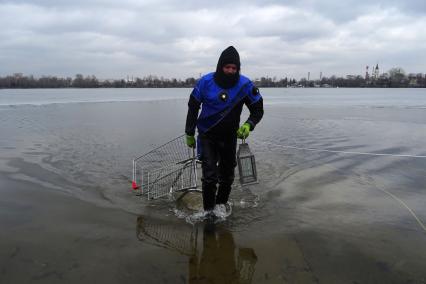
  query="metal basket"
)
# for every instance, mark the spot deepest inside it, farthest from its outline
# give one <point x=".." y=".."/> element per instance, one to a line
<point x="166" y="169"/>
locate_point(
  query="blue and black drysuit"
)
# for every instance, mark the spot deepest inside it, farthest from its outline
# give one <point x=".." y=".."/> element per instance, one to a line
<point x="217" y="130"/>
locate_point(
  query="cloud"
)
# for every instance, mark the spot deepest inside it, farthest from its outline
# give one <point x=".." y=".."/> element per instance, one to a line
<point x="181" y="39"/>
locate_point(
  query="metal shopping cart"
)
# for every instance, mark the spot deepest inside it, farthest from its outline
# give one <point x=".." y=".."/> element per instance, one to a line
<point x="169" y="168"/>
<point x="172" y="167"/>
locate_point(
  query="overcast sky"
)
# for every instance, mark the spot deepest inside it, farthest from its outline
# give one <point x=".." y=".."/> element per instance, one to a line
<point x="113" y="39"/>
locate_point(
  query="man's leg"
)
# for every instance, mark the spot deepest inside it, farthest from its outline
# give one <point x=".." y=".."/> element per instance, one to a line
<point x="227" y="163"/>
<point x="209" y="158"/>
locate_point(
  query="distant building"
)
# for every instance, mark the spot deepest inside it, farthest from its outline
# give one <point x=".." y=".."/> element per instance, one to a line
<point x="130" y="80"/>
<point x="375" y="72"/>
<point x="412" y="80"/>
<point x="413" y="83"/>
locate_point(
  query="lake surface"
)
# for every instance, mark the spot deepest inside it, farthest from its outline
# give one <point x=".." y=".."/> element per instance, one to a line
<point x="340" y="200"/>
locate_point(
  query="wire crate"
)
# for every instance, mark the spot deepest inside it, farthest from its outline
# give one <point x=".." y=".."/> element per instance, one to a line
<point x="169" y="168"/>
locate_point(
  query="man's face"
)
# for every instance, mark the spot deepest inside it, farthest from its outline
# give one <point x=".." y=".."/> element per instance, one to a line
<point x="230" y="69"/>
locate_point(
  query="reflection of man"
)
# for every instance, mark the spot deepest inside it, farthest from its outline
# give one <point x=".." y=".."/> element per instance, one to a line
<point x="218" y="263"/>
<point x="221" y="95"/>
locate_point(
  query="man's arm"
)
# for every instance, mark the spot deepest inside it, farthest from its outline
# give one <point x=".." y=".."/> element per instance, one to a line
<point x="191" y="117"/>
<point x="256" y="112"/>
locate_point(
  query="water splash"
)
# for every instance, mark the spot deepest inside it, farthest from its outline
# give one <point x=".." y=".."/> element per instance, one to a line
<point x="219" y="214"/>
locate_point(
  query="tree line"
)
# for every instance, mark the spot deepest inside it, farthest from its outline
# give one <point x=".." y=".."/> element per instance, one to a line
<point x="394" y="78"/>
<point x="20" y="81"/>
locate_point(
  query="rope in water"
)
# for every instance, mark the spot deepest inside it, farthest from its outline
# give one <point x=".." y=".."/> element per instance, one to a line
<point x="348" y="152"/>
<point x="421" y="224"/>
<point x="406" y="206"/>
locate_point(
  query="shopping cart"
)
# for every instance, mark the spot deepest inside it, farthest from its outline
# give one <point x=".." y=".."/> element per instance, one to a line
<point x="172" y="167"/>
<point x="169" y="168"/>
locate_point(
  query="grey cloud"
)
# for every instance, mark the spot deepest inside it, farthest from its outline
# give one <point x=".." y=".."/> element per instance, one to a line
<point x="183" y="38"/>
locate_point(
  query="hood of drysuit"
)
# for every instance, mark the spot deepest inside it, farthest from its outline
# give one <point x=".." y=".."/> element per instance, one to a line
<point x="229" y="56"/>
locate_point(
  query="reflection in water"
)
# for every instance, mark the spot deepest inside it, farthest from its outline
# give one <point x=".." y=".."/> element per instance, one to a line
<point x="216" y="260"/>
<point x="176" y="237"/>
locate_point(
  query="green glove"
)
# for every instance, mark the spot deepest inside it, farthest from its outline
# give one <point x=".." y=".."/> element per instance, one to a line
<point x="190" y="141"/>
<point x="244" y="131"/>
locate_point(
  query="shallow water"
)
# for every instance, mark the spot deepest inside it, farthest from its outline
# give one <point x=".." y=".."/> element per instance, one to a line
<point x="315" y="217"/>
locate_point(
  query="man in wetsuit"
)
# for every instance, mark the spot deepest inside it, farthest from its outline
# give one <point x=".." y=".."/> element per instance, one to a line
<point x="222" y="95"/>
